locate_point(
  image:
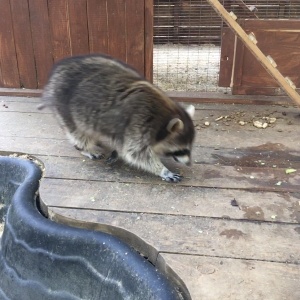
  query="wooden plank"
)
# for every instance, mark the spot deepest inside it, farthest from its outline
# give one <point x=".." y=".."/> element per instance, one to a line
<point x="38" y="146"/>
<point x="236" y="77"/>
<point x="171" y="200"/>
<point x="23" y="43"/>
<point x="117" y="29"/>
<point x="21" y="100"/>
<point x="214" y="108"/>
<point x="30" y="125"/>
<point x="148" y="40"/>
<point x="41" y="39"/>
<point x="221" y="98"/>
<point x="191" y="235"/>
<point x="27" y="105"/>
<point x="191" y="40"/>
<point x="220" y="134"/>
<point x="226" y="57"/>
<point x="255" y="51"/>
<point x="210" y="176"/>
<point x="188" y="32"/>
<point x="19" y="92"/>
<point x="192" y="97"/>
<point x="8" y="55"/>
<point x="79" y="38"/>
<point x="60" y="28"/>
<point x="213" y="278"/>
<point x="135" y="28"/>
<point x="1" y="78"/>
<point x="97" y="26"/>
<point x="264" y="156"/>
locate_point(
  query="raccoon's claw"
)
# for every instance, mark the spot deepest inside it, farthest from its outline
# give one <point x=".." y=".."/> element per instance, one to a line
<point x="112" y="158"/>
<point x="170" y="177"/>
<point x="174" y="178"/>
<point x="92" y="155"/>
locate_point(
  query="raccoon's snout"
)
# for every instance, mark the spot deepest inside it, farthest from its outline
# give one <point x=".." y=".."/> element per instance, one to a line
<point x="185" y="159"/>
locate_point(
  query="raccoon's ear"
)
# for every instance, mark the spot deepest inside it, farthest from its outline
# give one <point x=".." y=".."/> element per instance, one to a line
<point x="175" y="125"/>
<point x="190" y="110"/>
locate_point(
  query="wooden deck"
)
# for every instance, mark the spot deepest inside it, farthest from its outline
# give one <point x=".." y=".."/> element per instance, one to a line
<point x="229" y="230"/>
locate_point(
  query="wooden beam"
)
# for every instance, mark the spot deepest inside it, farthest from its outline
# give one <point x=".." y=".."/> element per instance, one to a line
<point x="250" y="42"/>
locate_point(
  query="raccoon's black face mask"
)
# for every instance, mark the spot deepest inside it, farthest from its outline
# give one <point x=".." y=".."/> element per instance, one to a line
<point x="181" y="156"/>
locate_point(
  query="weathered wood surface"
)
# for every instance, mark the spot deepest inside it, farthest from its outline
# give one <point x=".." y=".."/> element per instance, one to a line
<point x="198" y="236"/>
<point x="180" y="200"/>
<point x="238" y="279"/>
<point x="229" y="230"/>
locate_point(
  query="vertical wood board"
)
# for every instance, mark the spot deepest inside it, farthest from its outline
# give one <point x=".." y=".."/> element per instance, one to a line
<point x="135" y="34"/>
<point x="60" y="29"/>
<point x="41" y="39"/>
<point x="8" y="55"/>
<point x="23" y="43"/>
<point x="97" y="26"/>
<point x="148" y="46"/>
<point x="78" y="25"/>
<point x="117" y="45"/>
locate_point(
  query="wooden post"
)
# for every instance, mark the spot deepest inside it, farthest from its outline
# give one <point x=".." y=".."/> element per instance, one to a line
<point x="249" y="40"/>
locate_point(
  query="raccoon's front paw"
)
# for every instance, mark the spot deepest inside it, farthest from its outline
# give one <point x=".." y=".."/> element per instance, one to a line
<point x="169" y="176"/>
<point x="112" y="158"/>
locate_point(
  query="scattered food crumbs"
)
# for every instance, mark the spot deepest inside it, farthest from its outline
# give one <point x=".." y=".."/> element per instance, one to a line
<point x="273" y="217"/>
<point x="220" y="118"/>
<point x="252" y="177"/>
<point x="259" y="124"/>
<point x="272" y="120"/>
<point x="92" y="199"/>
<point x="206" y="123"/>
<point x="274" y="166"/>
<point x="289" y="171"/>
<point x="278" y="183"/>
<point x="242" y="123"/>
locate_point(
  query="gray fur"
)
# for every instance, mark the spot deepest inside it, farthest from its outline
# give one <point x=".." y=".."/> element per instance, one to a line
<point x="97" y="98"/>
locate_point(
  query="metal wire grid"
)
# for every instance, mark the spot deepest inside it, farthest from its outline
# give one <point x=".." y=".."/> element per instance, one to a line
<point x="187" y="39"/>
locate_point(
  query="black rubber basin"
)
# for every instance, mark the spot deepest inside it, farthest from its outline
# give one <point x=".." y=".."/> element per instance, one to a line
<point x="41" y="259"/>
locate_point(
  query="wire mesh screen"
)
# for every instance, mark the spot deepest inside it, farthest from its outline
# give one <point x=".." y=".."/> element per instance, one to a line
<point x="187" y="39"/>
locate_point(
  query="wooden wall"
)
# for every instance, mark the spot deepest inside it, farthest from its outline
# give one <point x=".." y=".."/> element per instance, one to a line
<point x="278" y="38"/>
<point x="34" y="34"/>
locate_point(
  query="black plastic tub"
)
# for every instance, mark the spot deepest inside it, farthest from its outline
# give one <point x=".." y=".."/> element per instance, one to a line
<point x="41" y="259"/>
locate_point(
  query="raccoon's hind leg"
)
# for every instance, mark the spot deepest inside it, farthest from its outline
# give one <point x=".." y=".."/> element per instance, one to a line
<point x="147" y="160"/>
<point x="86" y="145"/>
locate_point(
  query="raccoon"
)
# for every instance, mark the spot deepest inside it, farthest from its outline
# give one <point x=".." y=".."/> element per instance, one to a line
<point x="100" y="100"/>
